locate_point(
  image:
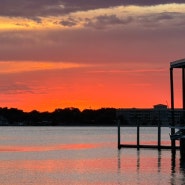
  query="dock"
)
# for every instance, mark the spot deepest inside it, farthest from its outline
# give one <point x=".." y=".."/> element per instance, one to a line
<point x="174" y="135"/>
<point x="139" y="146"/>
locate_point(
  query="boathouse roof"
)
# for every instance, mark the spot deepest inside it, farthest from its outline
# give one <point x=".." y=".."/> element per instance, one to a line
<point x="178" y="64"/>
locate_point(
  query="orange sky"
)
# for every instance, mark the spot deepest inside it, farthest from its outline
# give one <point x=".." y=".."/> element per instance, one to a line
<point x="89" y="56"/>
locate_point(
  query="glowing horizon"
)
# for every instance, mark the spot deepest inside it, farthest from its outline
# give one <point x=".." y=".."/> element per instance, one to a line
<point x="95" y="55"/>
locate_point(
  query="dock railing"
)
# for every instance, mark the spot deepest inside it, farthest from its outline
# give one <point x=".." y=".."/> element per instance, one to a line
<point x="138" y="145"/>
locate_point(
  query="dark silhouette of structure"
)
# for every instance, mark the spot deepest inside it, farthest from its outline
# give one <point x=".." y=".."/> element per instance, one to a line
<point x="180" y="134"/>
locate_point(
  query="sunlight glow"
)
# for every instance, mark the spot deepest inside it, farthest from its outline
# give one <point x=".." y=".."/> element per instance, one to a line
<point x="80" y="18"/>
<point x="17" y="67"/>
<point x="105" y="57"/>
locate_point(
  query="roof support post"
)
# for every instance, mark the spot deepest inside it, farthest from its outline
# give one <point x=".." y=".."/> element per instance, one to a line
<point x="172" y="110"/>
<point x="183" y="87"/>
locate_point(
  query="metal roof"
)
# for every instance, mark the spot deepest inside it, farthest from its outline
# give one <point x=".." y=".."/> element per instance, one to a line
<point x="178" y="63"/>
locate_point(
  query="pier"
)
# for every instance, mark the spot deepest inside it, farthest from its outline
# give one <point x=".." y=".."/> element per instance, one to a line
<point x="138" y="145"/>
<point x="179" y="135"/>
<point x="174" y="136"/>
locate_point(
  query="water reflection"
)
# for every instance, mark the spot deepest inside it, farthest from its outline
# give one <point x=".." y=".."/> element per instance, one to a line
<point x="182" y="163"/>
<point x="119" y="161"/>
<point x="163" y="167"/>
<point x="71" y="156"/>
<point x="173" y="162"/>
<point x="138" y="160"/>
<point x="159" y="161"/>
<point x="182" y="167"/>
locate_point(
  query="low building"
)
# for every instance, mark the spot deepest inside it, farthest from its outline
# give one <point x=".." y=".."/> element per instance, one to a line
<point x="159" y="114"/>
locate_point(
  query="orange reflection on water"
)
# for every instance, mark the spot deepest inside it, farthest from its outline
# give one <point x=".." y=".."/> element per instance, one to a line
<point x="78" y="146"/>
<point x="126" y="169"/>
<point x="79" y="166"/>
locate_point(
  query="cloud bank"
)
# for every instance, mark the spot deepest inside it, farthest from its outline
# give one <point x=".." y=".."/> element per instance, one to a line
<point x="33" y="8"/>
<point x="95" y="32"/>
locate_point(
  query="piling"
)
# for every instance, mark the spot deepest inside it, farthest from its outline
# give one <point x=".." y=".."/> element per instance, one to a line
<point x="138" y="136"/>
<point x="182" y="147"/>
<point x="119" y="137"/>
<point x="172" y="109"/>
<point x="159" y="135"/>
<point x="182" y="140"/>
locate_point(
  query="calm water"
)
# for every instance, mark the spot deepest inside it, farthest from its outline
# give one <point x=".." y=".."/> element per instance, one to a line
<point x="84" y="156"/>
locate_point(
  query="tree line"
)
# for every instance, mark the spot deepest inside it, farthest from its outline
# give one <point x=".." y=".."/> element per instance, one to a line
<point x="59" y="117"/>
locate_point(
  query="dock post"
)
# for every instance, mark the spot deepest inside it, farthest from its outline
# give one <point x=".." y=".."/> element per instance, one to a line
<point x="159" y="135"/>
<point x="182" y="140"/>
<point x="119" y="146"/>
<point x="172" y="111"/>
<point x="182" y="153"/>
<point x="138" y="136"/>
<point x="182" y="148"/>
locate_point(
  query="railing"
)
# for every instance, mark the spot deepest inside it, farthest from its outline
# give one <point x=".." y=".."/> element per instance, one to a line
<point x="138" y="145"/>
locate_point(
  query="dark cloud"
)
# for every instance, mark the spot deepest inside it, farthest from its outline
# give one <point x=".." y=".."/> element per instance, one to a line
<point x="35" y="8"/>
<point x="160" y="19"/>
<point x="148" y="20"/>
<point x="93" y="45"/>
<point x="27" y="8"/>
<point x="12" y="87"/>
<point x="69" y="22"/>
<point x="104" y="21"/>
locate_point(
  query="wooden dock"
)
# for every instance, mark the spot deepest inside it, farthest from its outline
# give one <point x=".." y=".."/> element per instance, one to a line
<point x="158" y="146"/>
<point x="180" y="134"/>
<point x="146" y="146"/>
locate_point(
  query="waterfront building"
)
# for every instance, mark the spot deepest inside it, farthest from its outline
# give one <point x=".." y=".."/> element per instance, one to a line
<point x="159" y="114"/>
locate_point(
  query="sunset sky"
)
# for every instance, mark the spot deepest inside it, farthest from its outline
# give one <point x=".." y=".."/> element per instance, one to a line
<point x="89" y="53"/>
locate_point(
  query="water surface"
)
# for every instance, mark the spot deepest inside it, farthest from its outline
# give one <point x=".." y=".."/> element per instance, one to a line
<point x="84" y="156"/>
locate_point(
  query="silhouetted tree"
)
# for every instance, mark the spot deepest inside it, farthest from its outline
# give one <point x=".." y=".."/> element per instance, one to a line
<point x="14" y="115"/>
<point x="66" y="116"/>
